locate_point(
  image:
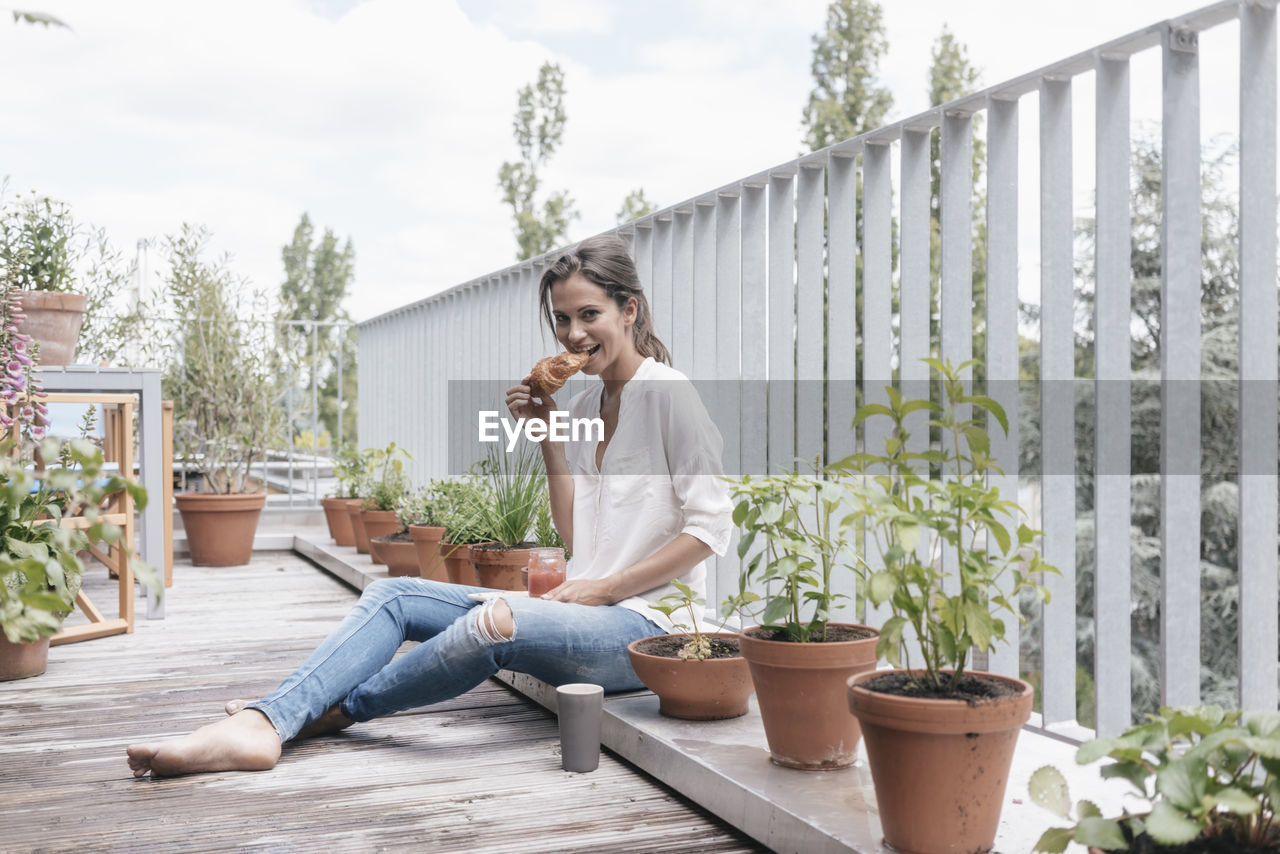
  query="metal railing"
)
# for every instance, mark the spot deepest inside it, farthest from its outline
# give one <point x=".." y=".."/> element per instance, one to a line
<point x="756" y="285"/>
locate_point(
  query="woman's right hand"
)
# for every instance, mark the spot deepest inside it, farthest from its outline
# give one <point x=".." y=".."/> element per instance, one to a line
<point x="522" y="404"/>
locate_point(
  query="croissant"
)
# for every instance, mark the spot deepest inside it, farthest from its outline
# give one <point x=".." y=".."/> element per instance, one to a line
<point x="549" y="375"/>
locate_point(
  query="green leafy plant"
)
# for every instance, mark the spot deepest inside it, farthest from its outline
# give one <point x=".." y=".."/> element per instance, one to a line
<point x="40" y="570"/>
<point x="686" y="599"/>
<point x="903" y="504"/>
<point x="421" y="507"/>
<point x="39" y="243"/>
<point x="518" y="486"/>
<point x="463" y="511"/>
<point x="349" y="466"/>
<point x="385" y="482"/>
<point x="804" y="521"/>
<point x="1202" y="773"/>
<point x="226" y="396"/>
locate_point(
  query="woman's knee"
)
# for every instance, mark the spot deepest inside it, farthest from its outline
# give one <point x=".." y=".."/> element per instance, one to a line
<point x="494" y="622"/>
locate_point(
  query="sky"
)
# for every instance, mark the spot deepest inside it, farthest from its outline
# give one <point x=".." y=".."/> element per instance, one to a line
<point x="387" y="120"/>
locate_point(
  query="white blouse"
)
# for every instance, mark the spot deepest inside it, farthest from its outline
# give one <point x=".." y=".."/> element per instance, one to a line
<point x="660" y="477"/>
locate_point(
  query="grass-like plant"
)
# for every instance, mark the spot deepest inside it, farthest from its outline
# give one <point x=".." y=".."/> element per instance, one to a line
<point x="1201" y="774"/>
<point x="518" y="486"/>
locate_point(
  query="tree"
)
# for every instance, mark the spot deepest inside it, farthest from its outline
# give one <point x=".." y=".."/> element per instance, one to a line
<point x="634" y="206"/>
<point x="846" y="99"/>
<point x="539" y="128"/>
<point x="316" y="277"/>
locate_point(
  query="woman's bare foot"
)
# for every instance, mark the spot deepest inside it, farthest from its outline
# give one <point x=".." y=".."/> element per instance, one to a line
<point x="242" y="742"/>
<point x="333" y="720"/>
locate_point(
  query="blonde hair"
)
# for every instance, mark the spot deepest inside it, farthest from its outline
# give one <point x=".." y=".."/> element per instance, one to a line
<point x="606" y="261"/>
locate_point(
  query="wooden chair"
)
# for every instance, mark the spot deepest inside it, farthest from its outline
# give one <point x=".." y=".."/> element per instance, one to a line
<point x="117" y="417"/>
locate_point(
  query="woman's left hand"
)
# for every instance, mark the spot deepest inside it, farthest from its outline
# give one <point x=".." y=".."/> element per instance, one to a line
<point x="582" y="591"/>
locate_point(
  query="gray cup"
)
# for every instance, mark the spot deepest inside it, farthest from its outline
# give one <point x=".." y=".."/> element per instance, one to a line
<point x="580" y="707"/>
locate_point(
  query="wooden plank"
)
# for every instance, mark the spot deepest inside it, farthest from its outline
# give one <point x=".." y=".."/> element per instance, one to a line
<point x="478" y="773"/>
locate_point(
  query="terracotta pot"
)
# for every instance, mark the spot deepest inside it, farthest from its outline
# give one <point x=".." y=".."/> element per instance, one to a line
<point x="22" y="660"/>
<point x="801" y="691"/>
<point x="377" y="523"/>
<point x="498" y="567"/>
<point x="53" y="319"/>
<point x="354" y="506"/>
<point x="426" y="539"/>
<point x="709" y="690"/>
<point x="400" y="556"/>
<point x="457" y="563"/>
<point x="939" y="766"/>
<point x="220" y="527"/>
<point x="339" y="521"/>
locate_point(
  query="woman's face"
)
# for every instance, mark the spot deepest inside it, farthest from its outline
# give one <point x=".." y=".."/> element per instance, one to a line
<point x="587" y="320"/>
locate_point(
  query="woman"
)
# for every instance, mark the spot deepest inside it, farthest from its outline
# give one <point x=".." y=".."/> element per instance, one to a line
<point x="637" y="509"/>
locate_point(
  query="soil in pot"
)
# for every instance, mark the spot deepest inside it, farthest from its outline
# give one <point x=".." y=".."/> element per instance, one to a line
<point x="711" y="689"/>
<point x="457" y="563"/>
<point x="426" y="539"/>
<point x="22" y="660"/>
<point x="940" y="766"/>
<point x="339" y="521"/>
<point x="801" y="690"/>
<point x="398" y="552"/>
<point x="498" y="567"/>
<point x="354" y="507"/>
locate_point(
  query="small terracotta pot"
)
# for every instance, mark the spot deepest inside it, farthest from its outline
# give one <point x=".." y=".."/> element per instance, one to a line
<point x="400" y="556"/>
<point x="498" y="567"/>
<point x="709" y="690"/>
<point x="939" y="766"/>
<point x="457" y="563"/>
<point x="22" y="660"/>
<point x="354" y="507"/>
<point x="801" y="691"/>
<point x="376" y="524"/>
<point x="426" y="539"/>
<point x="339" y="521"/>
<point x="53" y="319"/>
<point x="220" y="526"/>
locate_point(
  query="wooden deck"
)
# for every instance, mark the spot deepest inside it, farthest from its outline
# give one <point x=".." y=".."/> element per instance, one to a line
<point x="479" y="773"/>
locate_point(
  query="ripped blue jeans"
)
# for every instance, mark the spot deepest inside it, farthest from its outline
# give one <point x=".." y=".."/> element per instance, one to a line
<point x="460" y="648"/>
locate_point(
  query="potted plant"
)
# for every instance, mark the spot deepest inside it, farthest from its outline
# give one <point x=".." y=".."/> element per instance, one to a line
<point x="516" y="486"/>
<point x="939" y="737"/>
<point x="463" y="513"/>
<point x="799" y="659"/>
<point x="40" y="568"/>
<point x="698" y="676"/>
<point x="1208" y="779"/>
<point x="39" y="245"/>
<point x="419" y="512"/>
<point x="348" y="465"/>
<point x="384" y="486"/>
<point x="226" y="396"/>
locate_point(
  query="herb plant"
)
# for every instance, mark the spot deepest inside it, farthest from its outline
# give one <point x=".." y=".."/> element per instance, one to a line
<point x="960" y="510"/>
<point x="385" y="482"/>
<point x="699" y="646"/>
<point x="421" y="507"/>
<point x="463" y="511"/>
<point x="349" y="466"/>
<point x="804" y="521"/>
<point x="1201" y="772"/>
<point x="518" y="486"/>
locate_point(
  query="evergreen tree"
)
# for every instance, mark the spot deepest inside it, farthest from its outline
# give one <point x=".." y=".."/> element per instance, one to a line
<point x="634" y="206"/>
<point x="846" y="99"/>
<point x="539" y="129"/>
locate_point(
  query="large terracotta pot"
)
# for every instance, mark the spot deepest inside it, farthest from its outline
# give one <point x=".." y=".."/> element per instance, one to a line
<point x="457" y="563"/>
<point x="21" y="660"/>
<point x="339" y="521"/>
<point x="709" y="690"/>
<point x="354" y="507"/>
<point x="400" y="556"/>
<point x="939" y="766"/>
<point x="220" y="527"/>
<point x="53" y="319"/>
<point x="378" y="523"/>
<point x="426" y="539"/>
<point x="801" y="691"/>
<point x="499" y="567"/>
